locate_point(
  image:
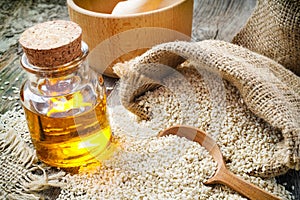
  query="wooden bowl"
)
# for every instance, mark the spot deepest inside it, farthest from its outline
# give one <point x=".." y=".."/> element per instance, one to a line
<point x="113" y="38"/>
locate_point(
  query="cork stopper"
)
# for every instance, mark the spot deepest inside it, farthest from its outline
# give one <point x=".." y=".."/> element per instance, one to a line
<point x="52" y="43"/>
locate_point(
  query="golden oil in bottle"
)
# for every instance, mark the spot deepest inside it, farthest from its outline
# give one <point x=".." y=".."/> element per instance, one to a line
<point x="70" y="141"/>
<point x="63" y="99"/>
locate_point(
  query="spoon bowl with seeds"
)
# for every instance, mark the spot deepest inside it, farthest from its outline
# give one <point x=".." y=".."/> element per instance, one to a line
<point x="222" y="175"/>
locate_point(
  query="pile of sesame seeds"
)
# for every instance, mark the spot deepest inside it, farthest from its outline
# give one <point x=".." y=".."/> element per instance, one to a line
<point x="248" y="143"/>
<point x="157" y="168"/>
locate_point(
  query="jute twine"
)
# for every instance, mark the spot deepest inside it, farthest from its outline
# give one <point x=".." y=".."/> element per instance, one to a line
<point x="269" y="90"/>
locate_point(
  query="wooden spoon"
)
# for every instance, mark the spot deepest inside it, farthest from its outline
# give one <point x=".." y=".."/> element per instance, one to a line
<point x="138" y="6"/>
<point x="223" y="175"/>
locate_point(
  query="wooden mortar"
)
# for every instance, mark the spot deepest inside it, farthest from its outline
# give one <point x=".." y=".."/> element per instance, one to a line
<point x="113" y="39"/>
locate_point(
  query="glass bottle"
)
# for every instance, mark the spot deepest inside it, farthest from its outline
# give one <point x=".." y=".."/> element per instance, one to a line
<point x="65" y="108"/>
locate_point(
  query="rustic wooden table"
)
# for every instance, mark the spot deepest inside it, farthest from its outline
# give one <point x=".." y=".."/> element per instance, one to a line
<point x="213" y="19"/>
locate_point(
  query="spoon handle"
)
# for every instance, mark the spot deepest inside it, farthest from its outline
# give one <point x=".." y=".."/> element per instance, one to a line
<point x="225" y="177"/>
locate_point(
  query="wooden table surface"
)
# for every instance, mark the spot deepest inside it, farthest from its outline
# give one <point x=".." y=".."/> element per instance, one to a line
<point x="213" y="19"/>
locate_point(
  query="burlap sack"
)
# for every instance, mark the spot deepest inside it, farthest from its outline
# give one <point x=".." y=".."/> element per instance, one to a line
<point x="273" y="30"/>
<point x="268" y="89"/>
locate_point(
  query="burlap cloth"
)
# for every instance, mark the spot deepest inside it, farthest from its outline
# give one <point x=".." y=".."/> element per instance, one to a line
<point x="268" y="88"/>
<point x="274" y="31"/>
<point x="22" y="176"/>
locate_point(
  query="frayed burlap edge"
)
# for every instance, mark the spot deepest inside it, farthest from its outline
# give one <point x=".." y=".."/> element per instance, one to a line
<point x="22" y="177"/>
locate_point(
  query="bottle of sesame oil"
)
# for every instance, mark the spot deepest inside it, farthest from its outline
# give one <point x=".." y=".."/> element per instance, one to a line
<point x="63" y="99"/>
<point x="65" y="140"/>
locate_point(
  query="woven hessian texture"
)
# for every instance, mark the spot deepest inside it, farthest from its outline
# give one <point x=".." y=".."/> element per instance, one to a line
<point x="21" y="176"/>
<point x="273" y="30"/>
<point x="269" y="90"/>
